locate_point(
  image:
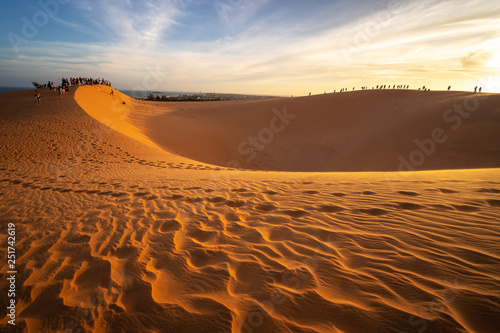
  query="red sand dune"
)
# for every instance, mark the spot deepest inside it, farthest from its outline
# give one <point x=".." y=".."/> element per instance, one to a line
<point x="369" y="130"/>
<point x="141" y="228"/>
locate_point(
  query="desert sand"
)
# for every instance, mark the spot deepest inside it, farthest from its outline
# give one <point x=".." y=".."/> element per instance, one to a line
<point x="277" y="215"/>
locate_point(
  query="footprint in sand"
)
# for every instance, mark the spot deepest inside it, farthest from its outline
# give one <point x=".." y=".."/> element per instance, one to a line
<point x="466" y="208"/>
<point x="488" y="190"/>
<point x="216" y="199"/>
<point x="270" y="192"/>
<point x="239" y="190"/>
<point x="125" y="251"/>
<point x="266" y="207"/>
<point x="493" y="202"/>
<point x="194" y="200"/>
<point x="372" y="211"/>
<point x="447" y="191"/>
<point x="105" y="193"/>
<point x="78" y="239"/>
<point x="409" y="193"/>
<point x="137" y="213"/>
<point x="330" y="209"/>
<point x="310" y="192"/>
<point x="409" y="206"/>
<point x="236" y="203"/>
<point x="92" y="192"/>
<point x="295" y="213"/>
<point x="442" y="207"/>
<point x="202" y="236"/>
<point x="170" y="225"/>
<point x="164" y="215"/>
<point x="201" y="258"/>
<point x="118" y="194"/>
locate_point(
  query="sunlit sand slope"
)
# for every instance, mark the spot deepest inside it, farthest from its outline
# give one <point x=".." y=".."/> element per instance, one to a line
<point x="386" y="130"/>
<point x="115" y="234"/>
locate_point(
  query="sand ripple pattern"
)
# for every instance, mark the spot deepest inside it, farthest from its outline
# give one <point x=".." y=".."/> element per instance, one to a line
<point x="265" y="256"/>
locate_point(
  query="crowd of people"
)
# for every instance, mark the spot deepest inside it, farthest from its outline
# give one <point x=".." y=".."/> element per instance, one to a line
<point x="63" y="89"/>
<point x="405" y="86"/>
<point x="81" y="81"/>
<point x="76" y="81"/>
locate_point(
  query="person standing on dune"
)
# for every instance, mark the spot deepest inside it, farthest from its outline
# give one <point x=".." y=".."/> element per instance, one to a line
<point x="38" y="102"/>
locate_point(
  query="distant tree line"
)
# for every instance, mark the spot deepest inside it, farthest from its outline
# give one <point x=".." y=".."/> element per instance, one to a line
<point x="187" y="98"/>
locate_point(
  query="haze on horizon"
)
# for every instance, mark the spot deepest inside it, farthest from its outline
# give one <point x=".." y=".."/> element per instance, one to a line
<point x="253" y="46"/>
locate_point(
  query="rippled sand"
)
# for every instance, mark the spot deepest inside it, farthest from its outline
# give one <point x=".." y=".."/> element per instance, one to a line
<point x="115" y="234"/>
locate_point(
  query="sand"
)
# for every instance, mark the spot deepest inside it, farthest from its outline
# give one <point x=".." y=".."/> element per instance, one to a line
<point x="146" y="225"/>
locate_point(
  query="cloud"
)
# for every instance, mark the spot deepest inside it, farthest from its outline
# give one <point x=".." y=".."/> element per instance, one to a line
<point x="133" y="21"/>
<point x="477" y="59"/>
<point x="235" y="12"/>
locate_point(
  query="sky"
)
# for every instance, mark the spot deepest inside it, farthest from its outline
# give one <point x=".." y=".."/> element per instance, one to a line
<point x="272" y="47"/>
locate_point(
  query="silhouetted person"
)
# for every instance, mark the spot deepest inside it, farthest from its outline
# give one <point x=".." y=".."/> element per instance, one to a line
<point x="480" y="88"/>
<point x="475" y="89"/>
<point x="449" y="87"/>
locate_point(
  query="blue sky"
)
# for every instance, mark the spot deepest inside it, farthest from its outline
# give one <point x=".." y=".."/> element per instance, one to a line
<point x="253" y="46"/>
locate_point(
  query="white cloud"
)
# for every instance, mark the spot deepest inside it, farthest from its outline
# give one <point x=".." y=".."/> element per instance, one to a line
<point x="133" y="22"/>
<point x="234" y="12"/>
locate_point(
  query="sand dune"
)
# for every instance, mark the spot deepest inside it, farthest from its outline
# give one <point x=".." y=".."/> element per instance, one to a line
<point x="118" y="232"/>
<point x="386" y="130"/>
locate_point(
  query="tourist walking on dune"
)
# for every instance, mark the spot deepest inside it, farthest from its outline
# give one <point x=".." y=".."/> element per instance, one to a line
<point x="38" y="102"/>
